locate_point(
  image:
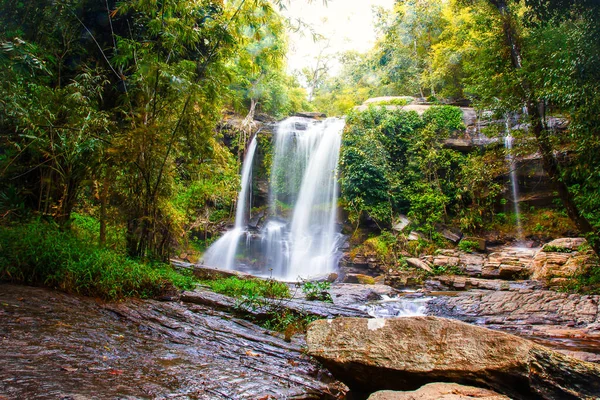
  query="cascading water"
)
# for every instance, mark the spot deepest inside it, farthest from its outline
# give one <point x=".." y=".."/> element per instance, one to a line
<point x="299" y="238"/>
<point x="514" y="184"/>
<point x="222" y="252"/>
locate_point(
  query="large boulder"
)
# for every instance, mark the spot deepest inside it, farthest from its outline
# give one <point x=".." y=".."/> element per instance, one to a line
<point x="440" y="391"/>
<point x="406" y="353"/>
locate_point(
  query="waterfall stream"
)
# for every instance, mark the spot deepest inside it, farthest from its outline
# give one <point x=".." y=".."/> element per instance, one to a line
<point x="514" y="184"/>
<point x="299" y="238"/>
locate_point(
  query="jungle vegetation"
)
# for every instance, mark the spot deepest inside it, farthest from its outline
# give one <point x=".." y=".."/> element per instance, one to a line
<point x="109" y="113"/>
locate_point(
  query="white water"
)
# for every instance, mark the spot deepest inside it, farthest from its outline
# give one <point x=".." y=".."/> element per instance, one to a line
<point x="514" y="184"/>
<point x="222" y="252"/>
<point x="299" y="238"/>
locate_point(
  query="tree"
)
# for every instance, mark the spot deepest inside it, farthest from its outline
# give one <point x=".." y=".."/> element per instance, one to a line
<point x="522" y="86"/>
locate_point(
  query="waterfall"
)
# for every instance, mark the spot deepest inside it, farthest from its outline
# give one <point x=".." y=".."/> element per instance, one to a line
<point x="222" y="252"/>
<point x="299" y="238"/>
<point x="514" y="184"/>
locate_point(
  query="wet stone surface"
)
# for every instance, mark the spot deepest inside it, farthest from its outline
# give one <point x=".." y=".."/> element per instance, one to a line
<point x="55" y="346"/>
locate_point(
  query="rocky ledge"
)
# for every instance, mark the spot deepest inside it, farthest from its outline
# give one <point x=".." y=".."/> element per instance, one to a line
<point x="406" y="353"/>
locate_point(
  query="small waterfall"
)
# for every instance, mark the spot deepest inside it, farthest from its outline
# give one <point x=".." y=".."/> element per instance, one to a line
<point x="222" y="252"/>
<point x="299" y="238"/>
<point x="514" y="184"/>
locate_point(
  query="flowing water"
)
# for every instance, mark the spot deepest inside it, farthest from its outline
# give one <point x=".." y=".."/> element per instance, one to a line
<point x="299" y="238"/>
<point x="222" y="252"/>
<point x="514" y="184"/>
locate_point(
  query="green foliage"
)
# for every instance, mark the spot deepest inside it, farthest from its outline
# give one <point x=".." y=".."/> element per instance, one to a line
<point x="447" y="270"/>
<point x="468" y="246"/>
<point x="249" y="288"/>
<point x="316" y="290"/>
<point x="556" y="249"/>
<point x="447" y="118"/>
<point x="87" y="228"/>
<point x="41" y="253"/>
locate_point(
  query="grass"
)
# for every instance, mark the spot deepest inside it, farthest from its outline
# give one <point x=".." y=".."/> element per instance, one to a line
<point x="249" y="288"/>
<point x="41" y="253"/>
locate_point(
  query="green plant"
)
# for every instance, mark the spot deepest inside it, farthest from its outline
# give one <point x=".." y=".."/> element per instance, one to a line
<point x="556" y="249"/>
<point x="468" y="246"/>
<point x="249" y="289"/>
<point x="317" y="290"/>
<point x="42" y="254"/>
<point x="447" y="270"/>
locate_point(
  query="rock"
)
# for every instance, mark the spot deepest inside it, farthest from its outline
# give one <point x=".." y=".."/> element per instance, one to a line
<point x="76" y="347"/>
<point x="402" y="223"/>
<point x="204" y="272"/>
<point x="388" y="99"/>
<point x="359" y="278"/>
<point x="571" y="244"/>
<point x="300" y="126"/>
<point x="582" y="355"/>
<point x="440" y="391"/>
<point x="453" y="282"/>
<point x="303" y="307"/>
<point x="313" y="115"/>
<point x="406" y="353"/>
<point x="519" y="308"/>
<point x="404" y="279"/>
<point x="452" y="234"/>
<point x="560" y="259"/>
<point x="417" y="263"/>
<point x="256" y="221"/>
<point x="347" y="294"/>
<point x="414" y="236"/>
<point x="481" y="246"/>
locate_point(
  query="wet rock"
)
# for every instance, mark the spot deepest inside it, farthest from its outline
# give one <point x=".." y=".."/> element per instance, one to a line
<point x="417" y="263"/>
<point x="309" y="308"/>
<point x="406" y="353"/>
<point x="256" y="221"/>
<point x="440" y="391"/>
<point x="519" y="308"/>
<point x="347" y="294"/>
<point x="57" y="346"/>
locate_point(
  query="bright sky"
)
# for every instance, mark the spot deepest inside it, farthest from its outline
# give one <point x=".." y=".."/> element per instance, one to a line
<point x="347" y="24"/>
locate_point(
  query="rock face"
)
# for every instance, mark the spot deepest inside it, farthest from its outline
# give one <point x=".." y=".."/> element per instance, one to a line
<point x="559" y="260"/>
<point x="508" y="263"/>
<point x="406" y="353"/>
<point x="440" y="391"/>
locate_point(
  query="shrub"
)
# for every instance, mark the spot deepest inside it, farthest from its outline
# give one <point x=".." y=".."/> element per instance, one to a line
<point x="41" y="254"/>
<point x="468" y="246"/>
<point x="316" y="291"/>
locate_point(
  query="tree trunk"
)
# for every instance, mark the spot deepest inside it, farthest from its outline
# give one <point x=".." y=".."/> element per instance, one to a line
<point x="532" y="104"/>
<point x="103" y="200"/>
